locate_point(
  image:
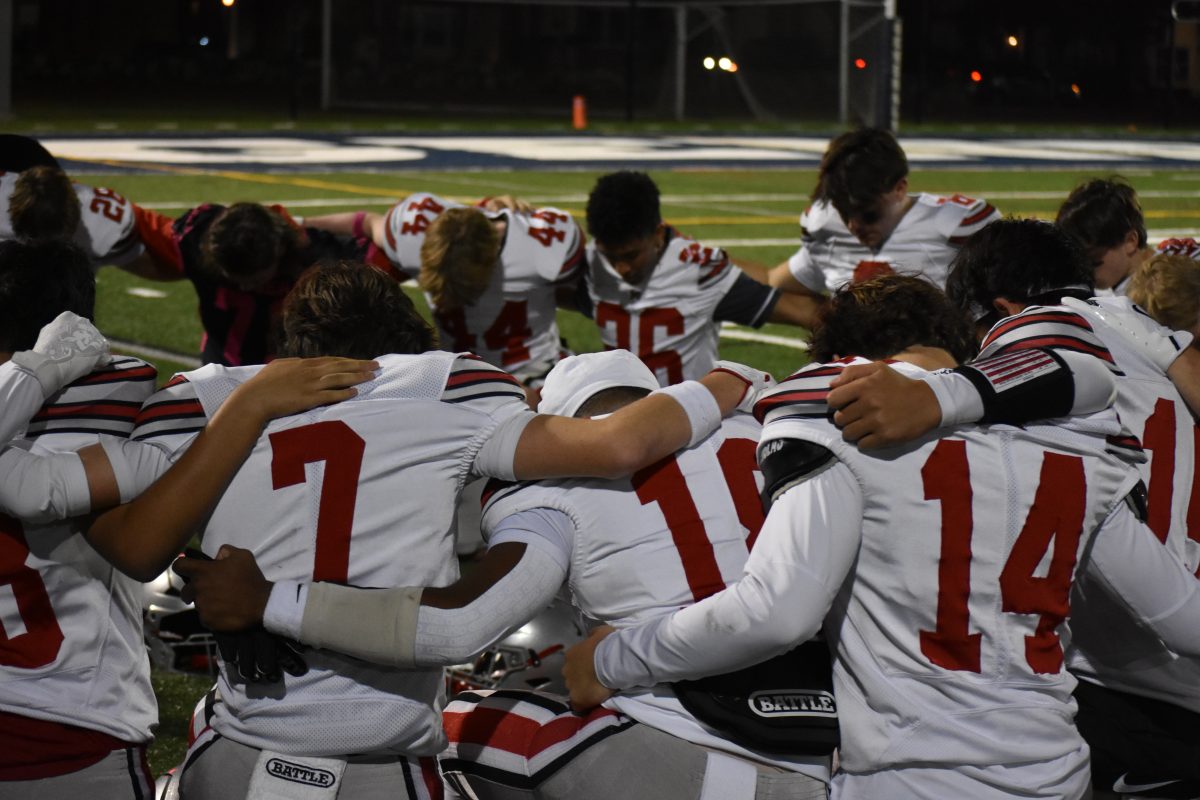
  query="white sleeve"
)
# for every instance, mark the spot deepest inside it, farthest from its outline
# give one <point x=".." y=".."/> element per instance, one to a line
<point x="1134" y="567"/>
<point x="43" y="487"/>
<point x="137" y="464"/>
<point x="20" y="397"/>
<point x="805" y="270"/>
<point x="495" y="457"/>
<point x="799" y="562"/>
<point x="453" y="635"/>
<point x="549" y="530"/>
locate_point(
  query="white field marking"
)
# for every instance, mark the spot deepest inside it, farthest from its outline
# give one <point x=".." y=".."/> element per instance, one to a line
<point x="143" y="291"/>
<point x="729" y="331"/>
<point x="145" y="351"/>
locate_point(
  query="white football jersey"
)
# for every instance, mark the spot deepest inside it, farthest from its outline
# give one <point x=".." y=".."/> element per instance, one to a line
<point x="71" y="647"/>
<point x="106" y="232"/>
<point x="362" y="492"/>
<point x="675" y="533"/>
<point x="949" y="634"/>
<point x="924" y="242"/>
<point x="1112" y="650"/>
<point x="668" y="323"/>
<point x="404" y="229"/>
<point x="513" y="324"/>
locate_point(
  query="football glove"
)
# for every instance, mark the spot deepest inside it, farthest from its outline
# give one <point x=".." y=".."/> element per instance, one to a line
<point x="259" y="656"/>
<point x="756" y="380"/>
<point x="1149" y="338"/>
<point x="67" y="348"/>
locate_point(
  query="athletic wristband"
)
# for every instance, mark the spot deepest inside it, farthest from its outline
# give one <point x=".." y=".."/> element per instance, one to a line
<point x="703" y="413"/>
<point x="284" y="613"/>
<point x="957" y="396"/>
<point x="358" y="224"/>
<point x="376" y="625"/>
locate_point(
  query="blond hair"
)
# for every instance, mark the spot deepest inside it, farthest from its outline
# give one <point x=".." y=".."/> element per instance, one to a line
<point x="457" y="257"/>
<point x="1168" y="287"/>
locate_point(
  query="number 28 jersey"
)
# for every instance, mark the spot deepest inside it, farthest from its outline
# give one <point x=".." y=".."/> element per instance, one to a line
<point x="949" y="635"/>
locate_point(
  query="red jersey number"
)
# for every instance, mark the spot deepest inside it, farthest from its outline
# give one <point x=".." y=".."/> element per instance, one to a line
<point x="649" y="320"/>
<point x="1055" y="520"/>
<point x="108" y="203"/>
<point x="31" y="638"/>
<point x="335" y="443"/>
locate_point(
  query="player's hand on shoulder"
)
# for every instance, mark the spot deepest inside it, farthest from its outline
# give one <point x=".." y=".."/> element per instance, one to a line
<point x="579" y="671"/>
<point x="67" y="348"/>
<point x="875" y="406"/>
<point x="292" y="385"/>
<point x="1161" y="345"/>
<point x="754" y="382"/>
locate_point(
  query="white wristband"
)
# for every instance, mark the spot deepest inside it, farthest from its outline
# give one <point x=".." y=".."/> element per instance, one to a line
<point x="285" y="608"/>
<point x="959" y="399"/>
<point x="703" y="413"/>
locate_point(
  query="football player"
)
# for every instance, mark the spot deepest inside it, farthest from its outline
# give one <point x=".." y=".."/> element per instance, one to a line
<point x="1167" y="286"/>
<point x="425" y="424"/>
<point x="958" y="691"/>
<point x="863" y="222"/>
<point x="490" y="272"/>
<point x="242" y="260"/>
<point x="1027" y="270"/>
<point x="43" y="203"/>
<point x="659" y="294"/>
<point x="76" y="705"/>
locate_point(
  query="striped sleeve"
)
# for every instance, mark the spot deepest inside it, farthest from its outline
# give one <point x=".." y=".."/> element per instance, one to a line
<point x="575" y="254"/>
<point x="105" y="401"/>
<point x="1051" y="328"/>
<point x="976" y="216"/>
<point x="172" y="416"/>
<point x="473" y="380"/>
<point x="803" y="395"/>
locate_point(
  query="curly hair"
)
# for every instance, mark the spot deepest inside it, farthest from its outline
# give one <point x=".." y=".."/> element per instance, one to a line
<point x="623" y="206"/>
<point x="247" y="239"/>
<point x="457" y="257"/>
<point x="884" y="316"/>
<point x="1023" y="260"/>
<point x="1101" y="213"/>
<point x="1168" y="287"/>
<point x="44" y="205"/>
<point x="38" y="281"/>
<point x="858" y="167"/>
<point x="351" y="309"/>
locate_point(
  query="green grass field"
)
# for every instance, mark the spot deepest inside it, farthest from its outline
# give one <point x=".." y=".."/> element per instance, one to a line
<point x="753" y="214"/>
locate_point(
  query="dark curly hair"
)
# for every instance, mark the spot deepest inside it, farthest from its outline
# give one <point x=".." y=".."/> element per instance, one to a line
<point x="881" y="317"/>
<point x="858" y="167"/>
<point x="351" y="309"/>
<point x="1101" y="213"/>
<point x="1023" y="260"/>
<point x="38" y="281"/>
<point x="623" y="206"/>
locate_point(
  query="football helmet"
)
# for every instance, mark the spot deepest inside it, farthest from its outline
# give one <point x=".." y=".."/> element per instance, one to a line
<point x="174" y="636"/>
<point x="531" y="657"/>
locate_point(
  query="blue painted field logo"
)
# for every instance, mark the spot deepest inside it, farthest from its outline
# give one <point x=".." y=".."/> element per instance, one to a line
<point x="784" y="703"/>
<point x="299" y="773"/>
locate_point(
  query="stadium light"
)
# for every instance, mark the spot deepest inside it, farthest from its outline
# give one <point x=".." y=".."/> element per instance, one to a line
<point x="1075" y="90"/>
<point x="732" y="67"/>
<point x="976" y="76"/>
<point x="860" y="63"/>
<point x="228" y="3"/>
<point x="1013" y="41"/>
<point x="724" y="63"/>
<point x="1185" y="11"/>
<point x="204" y="41"/>
<point x="710" y="62"/>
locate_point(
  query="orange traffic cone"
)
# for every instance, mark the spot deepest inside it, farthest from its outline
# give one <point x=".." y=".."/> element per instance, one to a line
<point x="579" y="112"/>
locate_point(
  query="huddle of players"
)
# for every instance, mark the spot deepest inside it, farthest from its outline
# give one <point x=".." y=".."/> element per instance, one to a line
<point x="696" y="516"/>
